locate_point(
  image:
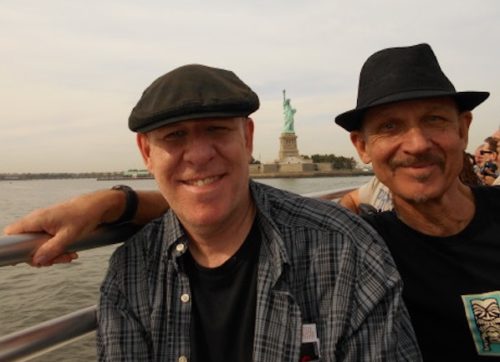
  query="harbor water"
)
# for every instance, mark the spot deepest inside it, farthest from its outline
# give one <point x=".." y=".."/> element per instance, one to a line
<point x="33" y="295"/>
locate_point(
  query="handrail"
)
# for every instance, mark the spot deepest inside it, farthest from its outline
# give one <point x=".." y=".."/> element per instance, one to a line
<point x="44" y="337"/>
<point x="52" y="334"/>
<point x="19" y="248"/>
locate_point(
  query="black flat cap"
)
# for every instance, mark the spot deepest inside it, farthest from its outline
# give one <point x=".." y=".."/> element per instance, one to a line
<point x="192" y="92"/>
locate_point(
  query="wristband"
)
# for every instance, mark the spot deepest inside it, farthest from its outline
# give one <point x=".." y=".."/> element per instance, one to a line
<point x="131" y="203"/>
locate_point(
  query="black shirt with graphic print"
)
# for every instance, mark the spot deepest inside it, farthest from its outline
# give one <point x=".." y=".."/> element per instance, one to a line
<point x="447" y="281"/>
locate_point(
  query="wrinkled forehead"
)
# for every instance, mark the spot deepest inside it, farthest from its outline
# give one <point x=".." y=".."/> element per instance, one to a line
<point x="403" y="108"/>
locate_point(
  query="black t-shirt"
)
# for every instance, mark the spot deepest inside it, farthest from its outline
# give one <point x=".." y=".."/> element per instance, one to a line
<point x="224" y="303"/>
<point x="451" y="284"/>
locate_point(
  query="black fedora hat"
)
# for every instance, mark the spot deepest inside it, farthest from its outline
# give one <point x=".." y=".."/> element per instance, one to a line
<point x="399" y="74"/>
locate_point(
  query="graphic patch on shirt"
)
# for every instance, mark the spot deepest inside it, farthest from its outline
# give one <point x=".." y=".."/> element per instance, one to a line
<point x="483" y="316"/>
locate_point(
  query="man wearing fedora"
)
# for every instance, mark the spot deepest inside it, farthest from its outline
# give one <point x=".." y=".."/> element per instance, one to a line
<point x="412" y="125"/>
<point x="236" y="270"/>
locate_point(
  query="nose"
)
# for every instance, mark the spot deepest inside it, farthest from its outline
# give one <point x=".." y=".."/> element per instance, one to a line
<point x="199" y="150"/>
<point x="416" y="141"/>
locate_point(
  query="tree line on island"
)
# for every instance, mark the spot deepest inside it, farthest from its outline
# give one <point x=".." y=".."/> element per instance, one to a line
<point x="338" y="162"/>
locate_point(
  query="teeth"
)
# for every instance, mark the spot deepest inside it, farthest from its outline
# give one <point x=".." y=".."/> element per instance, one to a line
<point x="202" y="182"/>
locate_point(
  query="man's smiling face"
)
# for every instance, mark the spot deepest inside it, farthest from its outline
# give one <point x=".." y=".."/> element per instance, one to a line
<point x="201" y="167"/>
<point x="416" y="147"/>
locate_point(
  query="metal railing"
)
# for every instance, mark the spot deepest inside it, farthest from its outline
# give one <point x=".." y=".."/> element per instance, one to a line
<point x="19" y="248"/>
<point x="44" y="337"/>
<point x="31" y="342"/>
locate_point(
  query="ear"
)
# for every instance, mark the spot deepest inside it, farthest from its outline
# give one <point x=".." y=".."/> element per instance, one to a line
<point x="465" y="119"/>
<point x="249" y="129"/>
<point x="145" y="149"/>
<point x="359" y="142"/>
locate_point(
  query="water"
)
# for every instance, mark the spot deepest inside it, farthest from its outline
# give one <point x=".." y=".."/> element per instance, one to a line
<point x="30" y="295"/>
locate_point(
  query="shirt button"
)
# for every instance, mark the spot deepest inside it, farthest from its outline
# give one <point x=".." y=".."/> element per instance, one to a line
<point x="182" y="359"/>
<point x="180" y="248"/>
<point x="185" y="298"/>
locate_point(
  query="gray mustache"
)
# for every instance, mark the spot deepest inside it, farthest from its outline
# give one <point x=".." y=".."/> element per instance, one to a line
<point x="415" y="161"/>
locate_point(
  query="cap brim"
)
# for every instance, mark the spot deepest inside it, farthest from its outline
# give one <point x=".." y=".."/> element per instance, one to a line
<point x="467" y="101"/>
<point x="189" y="117"/>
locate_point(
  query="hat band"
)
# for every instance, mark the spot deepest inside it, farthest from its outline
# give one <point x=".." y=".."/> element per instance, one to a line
<point x="406" y="95"/>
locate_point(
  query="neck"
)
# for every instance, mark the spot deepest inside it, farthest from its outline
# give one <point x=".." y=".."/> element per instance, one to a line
<point x="212" y="248"/>
<point x="442" y="216"/>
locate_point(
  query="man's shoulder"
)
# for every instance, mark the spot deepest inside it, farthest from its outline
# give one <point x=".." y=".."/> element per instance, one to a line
<point x="487" y="202"/>
<point x="382" y="221"/>
<point x="492" y="191"/>
<point x="291" y="210"/>
<point x="306" y="225"/>
<point x="376" y="194"/>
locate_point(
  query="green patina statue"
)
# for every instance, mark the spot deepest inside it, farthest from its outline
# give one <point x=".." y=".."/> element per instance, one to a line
<point x="288" y="113"/>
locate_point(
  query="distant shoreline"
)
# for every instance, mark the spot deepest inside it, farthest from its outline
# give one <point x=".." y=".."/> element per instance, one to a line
<point x="305" y="174"/>
<point x="119" y="178"/>
<point x="116" y="177"/>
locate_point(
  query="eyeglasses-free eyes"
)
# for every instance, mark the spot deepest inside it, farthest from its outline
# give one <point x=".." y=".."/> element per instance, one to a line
<point x="482" y="152"/>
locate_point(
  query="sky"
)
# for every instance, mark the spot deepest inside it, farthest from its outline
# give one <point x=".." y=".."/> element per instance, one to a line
<point x="71" y="71"/>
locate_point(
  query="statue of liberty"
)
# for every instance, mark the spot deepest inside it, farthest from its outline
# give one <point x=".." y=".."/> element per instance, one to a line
<point x="288" y="112"/>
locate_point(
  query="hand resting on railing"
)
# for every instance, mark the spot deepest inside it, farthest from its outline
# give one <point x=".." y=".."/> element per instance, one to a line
<point x="66" y="222"/>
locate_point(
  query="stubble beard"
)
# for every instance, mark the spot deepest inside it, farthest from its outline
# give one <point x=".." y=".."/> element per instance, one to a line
<point x="418" y="198"/>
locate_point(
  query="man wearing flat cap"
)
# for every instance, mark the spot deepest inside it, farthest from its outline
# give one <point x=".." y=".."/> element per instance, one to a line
<point x="236" y="270"/>
<point x="412" y="125"/>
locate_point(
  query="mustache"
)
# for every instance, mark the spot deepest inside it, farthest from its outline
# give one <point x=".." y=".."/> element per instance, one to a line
<point x="418" y="160"/>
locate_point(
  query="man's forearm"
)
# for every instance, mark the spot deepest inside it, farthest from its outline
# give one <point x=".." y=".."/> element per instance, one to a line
<point x="151" y="205"/>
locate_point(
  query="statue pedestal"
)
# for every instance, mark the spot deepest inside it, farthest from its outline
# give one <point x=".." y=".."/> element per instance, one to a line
<point x="288" y="146"/>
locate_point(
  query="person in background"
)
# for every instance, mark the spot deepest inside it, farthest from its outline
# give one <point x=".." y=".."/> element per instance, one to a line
<point x="489" y="168"/>
<point x="496" y="136"/>
<point x="468" y="175"/>
<point x="236" y="270"/>
<point x="478" y="160"/>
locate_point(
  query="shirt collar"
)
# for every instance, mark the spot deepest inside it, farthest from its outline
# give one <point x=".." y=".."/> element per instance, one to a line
<point x="272" y="243"/>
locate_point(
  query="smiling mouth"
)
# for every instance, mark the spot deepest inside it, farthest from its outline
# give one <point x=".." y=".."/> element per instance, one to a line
<point x="203" y="181"/>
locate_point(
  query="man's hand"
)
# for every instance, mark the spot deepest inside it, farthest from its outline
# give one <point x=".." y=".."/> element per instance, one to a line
<point x="67" y="222"/>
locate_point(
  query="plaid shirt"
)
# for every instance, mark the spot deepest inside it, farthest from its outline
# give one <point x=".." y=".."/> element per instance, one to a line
<point x="318" y="264"/>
